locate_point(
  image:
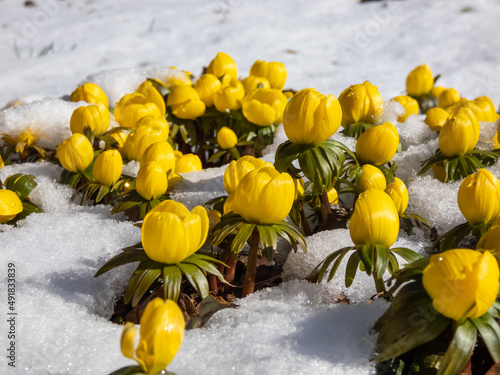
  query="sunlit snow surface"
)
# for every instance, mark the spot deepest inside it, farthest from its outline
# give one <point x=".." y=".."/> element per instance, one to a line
<point x="296" y="328"/>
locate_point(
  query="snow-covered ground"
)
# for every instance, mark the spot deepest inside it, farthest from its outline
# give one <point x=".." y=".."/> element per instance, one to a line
<point x="296" y="328"/>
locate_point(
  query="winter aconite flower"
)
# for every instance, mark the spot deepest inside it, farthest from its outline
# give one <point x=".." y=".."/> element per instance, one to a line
<point x="360" y="103"/>
<point x="399" y="194"/>
<point x="206" y="86"/>
<point x="448" y="97"/>
<point x="488" y="108"/>
<point x="75" y="153"/>
<point x="229" y="96"/>
<point x="420" y="81"/>
<point x="90" y="93"/>
<point x="375" y="220"/>
<point x="140" y="138"/>
<point x="251" y="83"/>
<point x="132" y="107"/>
<point x="371" y="177"/>
<point x="238" y="169"/>
<point x="264" y="196"/>
<point x="162" y="153"/>
<point x="161" y="334"/>
<point x="378" y="145"/>
<point x="459" y="134"/>
<point x="310" y="118"/>
<point x="436" y="118"/>
<point x="88" y="118"/>
<point x="226" y="138"/>
<point x="223" y="66"/>
<point x="151" y="181"/>
<point x="274" y="72"/>
<point x="479" y="197"/>
<point x="170" y="232"/>
<point x="462" y="283"/>
<point x="409" y="104"/>
<point x="108" y="167"/>
<point x="148" y="89"/>
<point x="185" y="103"/>
<point x="491" y="241"/>
<point x="10" y="205"/>
<point x="188" y="163"/>
<point x="264" y="107"/>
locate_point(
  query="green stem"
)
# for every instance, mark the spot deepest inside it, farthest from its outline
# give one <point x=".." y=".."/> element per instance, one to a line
<point x="325" y="207"/>
<point x="379" y="285"/>
<point x="249" y="282"/>
<point x="305" y="223"/>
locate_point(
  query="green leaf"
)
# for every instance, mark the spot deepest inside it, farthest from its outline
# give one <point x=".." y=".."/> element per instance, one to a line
<point x="452" y="238"/>
<point x="268" y="236"/>
<point x="103" y="190"/>
<point x="172" y="279"/>
<point x="407" y="254"/>
<point x="134" y="280"/>
<point x="336" y="265"/>
<point x="365" y="255"/>
<point x="460" y="349"/>
<point x="124" y="206"/>
<point x="207" y="307"/>
<point x="195" y="277"/>
<point x="148" y="278"/>
<point x="286" y="153"/>
<point x="490" y="332"/>
<point x="125" y="257"/>
<point x="380" y="260"/>
<point x="317" y="273"/>
<point x="205" y="266"/>
<point x="21" y="184"/>
<point x="241" y="237"/>
<point x="129" y="370"/>
<point x="351" y="269"/>
<point x="216" y="156"/>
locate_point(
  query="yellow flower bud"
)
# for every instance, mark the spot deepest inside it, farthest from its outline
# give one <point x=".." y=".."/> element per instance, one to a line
<point x="333" y="196"/>
<point x="399" y="194"/>
<point x="437" y="90"/>
<point x="226" y="138"/>
<point x="180" y="78"/>
<point x="213" y="218"/>
<point x="371" y="177"/>
<point x="491" y="241"/>
<point x="264" y="107"/>
<point x="378" y="145"/>
<point x="419" y="81"/>
<point x="140" y="138"/>
<point x="448" y="97"/>
<point x="10" y="205"/>
<point x="75" y="153"/>
<point x="274" y="72"/>
<point x="119" y="136"/>
<point x="170" y="233"/>
<point x="88" y="118"/>
<point x="188" y="163"/>
<point x="487" y="107"/>
<point x="299" y="188"/>
<point x="464" y="103"/>
<point x="132" y="107"/>
<point x="162" y="153"/>
<point x="108" y="167"/>
<point x="90" y="93"/>
<point x="462" y="283"/>
<point x="162" y="331"/>
<point x="311" y="118"/>
<point x="229" y="205"/>
<point x="251" y="83"/>
<point x="151" y="181"/>
<point x="479" y="197"/>
<point x="229" y="96"/>
<point x="238" y="169"/>
<point x="185" y="103"/>
<point x="264" y="196"/>
<point x="152" y="94"/>
<point x="409" y="104"/>
<point x="223" y="65"/>
<point x="459" y="134"/>
<point x="436" y="118"/>
<point x="360" y="103"/>
<point x="375" y="220"/>
<point x="206" y="86"/>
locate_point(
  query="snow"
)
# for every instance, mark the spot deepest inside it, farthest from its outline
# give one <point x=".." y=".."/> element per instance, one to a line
<point x="297" y="328"/>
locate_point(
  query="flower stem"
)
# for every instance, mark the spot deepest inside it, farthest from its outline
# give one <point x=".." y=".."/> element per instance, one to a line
<point x="249" y="282"/>
<point x="379" y="285"/>
<point x="305" y="223"/>
<point x="325" y="207"/>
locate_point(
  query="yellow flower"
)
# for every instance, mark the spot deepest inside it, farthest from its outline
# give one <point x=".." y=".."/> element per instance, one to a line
<point x="162" y="153"/>
<point x="448" y="97"/>
<point x="487" y="107"/>
<point x="264" y="107"/>
<point x="360" y="103"/>
<point x="371" y="177"/>
<point x="299" y="188"/>
<point x="409" y="104"/>
<point x="185" y="103"/>
<point x="152" y="94"/>
<point x="25" y="139"/>
<point x="88" y="118"/>
<point x="206" y="86"/>
<point x="238" y="169"/>
<point x="108" y="167"/>
<point x="419" y="81"/>
<point x="151" y="181"/>
<point x="188" y="163"/>
<point x="264" y="196"/>
<point x="274" y="72"/>
<point x="90" y="93"/>
<point x="170" y="233"/>
<point x="491" y="241"/>
<point x="229" y="96"/>
<point x="132" y="107"/>
<point x="375" y="220"/>
<point x="251" y="83"/>
<point x="333" y="196"/>
<point x="311" y="118"/>
<point x="459" y="134"/>
<point x="140" y="138"/>
<point x="10" y="205"/>
<point x="399" y="194"/>
<point x="75" y="153"/>
<point x="436" y="118"/>
<point x="378" y="145"/>
<point x="462" y="283"/>
<point x="119" y="136"/>
<point x="229" y="205"/>
<point x="162" y="331"/>
<point x="155" y="121"/>
<point x="464" y="103"/>
<point x="223" y="66"/>
<point x="213" y="218"/>
<point x="226" y="138"/>
<point x="437" y="90"/>
<point x="179" y="78"/>
<point x="479" y="197"/>
<point x="2" y="164"/>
